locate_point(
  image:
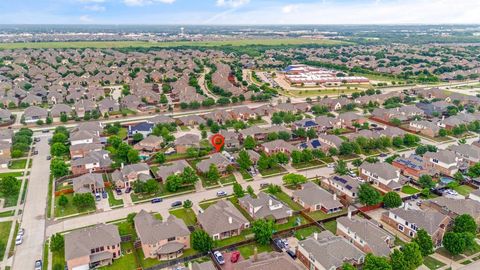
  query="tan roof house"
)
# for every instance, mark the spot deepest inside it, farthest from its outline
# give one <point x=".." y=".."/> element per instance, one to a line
<point x="222" y="220"/>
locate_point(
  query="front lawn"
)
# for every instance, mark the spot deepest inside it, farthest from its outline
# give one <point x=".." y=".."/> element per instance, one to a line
<point x="7" y="213"/>
<point x="69" y="209"/>
<point x="306" y="232"/>
<point x="276" y="169"/>
<point x="111" y="199"/>
<point x="410" y="190"/>
<point x="313" y="163"/>
<point x="246" y="176"/>
<point x="320" y="215"/>
<point x="18" y="164"/>
<point x="282" y="196"/>
<point x="11" y="200"/>
<point x="162" y="191"/>
<point x="432" y="263"/>
<point x="14" y="174"/>
<point x="126" y="261"/>
<point x="4" y="233"/>
<point x="463" y="189"/>
<point x="442" y="251"/>
<point x="293" y="221"/>
<point x="58" y="258"/>
<point x="229" y="179"/>
<point x="188" y="215"/>
<point x="247" y="251"/>
<point x="176" y="156"/>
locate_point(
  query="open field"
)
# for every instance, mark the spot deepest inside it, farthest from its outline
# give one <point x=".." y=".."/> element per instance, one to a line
<point x="146" y="44"/>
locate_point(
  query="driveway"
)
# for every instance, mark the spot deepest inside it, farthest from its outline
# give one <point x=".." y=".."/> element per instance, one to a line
<point x="103" y="205"/>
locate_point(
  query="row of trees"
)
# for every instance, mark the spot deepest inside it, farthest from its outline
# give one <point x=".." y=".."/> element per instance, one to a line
<point x="21" y="142"/>
<point x="176" y="181"/>
<point x="59" y="142"/>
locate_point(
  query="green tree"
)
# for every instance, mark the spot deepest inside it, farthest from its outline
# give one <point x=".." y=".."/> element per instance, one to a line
<point x="137" y="137"/>
<point x="131" y="218"/>
<point x="442" y="132"/>
<point x="341" y="167"/>
<point x="114" y="141"/>
<point x="250" y="191"/>
<point x="160" y="157"/>
<point x="59" y="168"/>
<point x="57" y="243"/>
<point x="373" y="262"/>
<point x="424" y="241"/>
<point x="368" y="195"/>
<point x="249" y="143"/>
<point x="132" y="156"/>
<point x="201" y="241"/>
<point x="392" y="200"/>
<point x="244" y="160"/>
<point x="9" y="185"/>
<point x="63" y="118"/>
<point x="454" y="243"/>
<point x="292" y="179"/>
<point x="464" y="224"/>
<point x="173" y="182"/>
<point x="187" y="204"/>
<point x="213" y="174"/>
<point x="62" y="201"/>
<point x="58" y="149"/>
<point x="398" y="260"/>
<point x="238" y="190"/>
<point x="426" y="181"/>
<point x="83" y="201"/>
<point x="59" y="138"/>
<point x="357" y="162"/>
<point x="412" y="255"/>
<point x="151" y="186"/>
<point x="263" y="230"/>
<point x="188" y="176"/>
<point x="347" y="266"/>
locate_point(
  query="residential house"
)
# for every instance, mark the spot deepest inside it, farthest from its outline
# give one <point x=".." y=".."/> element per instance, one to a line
<point x="222" y="220"/>
<point x="475" y="195"/>
<point x="254" y="156"/>
<point x="470" y="153"/>
<point x="444" y="162"/>
<point x="143" y="128"/>
<point x="129" y="174"/>
<point x="327" y="251"/>
<point x="230" y="139"/>
<point x="330" y="141"/>
<point x="307" y="124"/>
<point x="409" y="221"/>
<point x="5" y="115"/>
<point x="92" y="246"/>
<point x="93" y="161"/>
<point x="59" y="109"/>
<point x="83" y="137"/>
<point x="160" y="119"/>
<point x="5" y="155"/>
<point x="108" y="105"/>
<point x="6" y="135"/>
<point x="265" y="206"/>
<point x="412" y="166"/>
<point x="33" y="113"/>
<point x="186" y="141"/>
<point x="365" y="235"/>
<point x="217" y="159"/>
<point x="82" y="149"/>
<point x="277" y="146"/>
<point x="425" y="127"/>
<point x="313" y="198"/>
<point x="326" y="123"/>
<point x="172" y="168"/>
<point x="351" y="119"/>
<point x="191" y="120"/>
<point x="149" y="144"/>
<point x="454" y="207"/>
<point x="84" y="106"/>
<point x="267" y="260"/>
<point x="346" y="187"/>
<point x="161" y="239"/>
<point x="88" y="183"/>
<point x="382" y="174"/>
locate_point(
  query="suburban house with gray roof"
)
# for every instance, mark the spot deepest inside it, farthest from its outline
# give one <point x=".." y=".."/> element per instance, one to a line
<point x="268" y="261"/>
<point x="5" y="115"/>
<point x="149" y="145"/>
<point x="128" y="174"/>
<point x="381" y="174"/>
<point x="313" y="198"/>
<point x="444" y="162"/>
<point x="217" y="159"/>
<point x="455" y="207"/>
<point x="83" y="137"/>
<point x="81" y="150"/>
<point x="161" y="239"/>
<point x="92" y="162"/>
<point x="470" y="153"/>
<point x="346" y="187"/>
<point x="277" y="146"/>
<point x="409" y="221"/>
<point x="365" y="235"/>
<point x="327" y="251"/>
<point x="265" y="206"/>
<point x="222" y="220"/>
<point x="172" y="168"/>
<point x="33" y="113"/>
<point x="88" y="183"/>
<point x="186" y="141"/>
<point x="92" y="247"/>
<point x="5" y="155"/>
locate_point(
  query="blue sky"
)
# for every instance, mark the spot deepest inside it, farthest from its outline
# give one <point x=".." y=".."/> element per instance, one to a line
<point x="239" y="11"/>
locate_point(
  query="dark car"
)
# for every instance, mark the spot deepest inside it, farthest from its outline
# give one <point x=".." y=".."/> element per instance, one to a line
<point x="383" y="155"/>
<point x="279" y="243"/>
<point x="104" y="194"/>
<point x="119" y="191"/>
<point x="49" y="157"/>
<point x="38" y="265"/>
<point x="292" y="254"/>
<point x="157" y="200"/>
<point x="128" y="190"/>
<point x="177" y="204"/>
<point x="45" y="131"/>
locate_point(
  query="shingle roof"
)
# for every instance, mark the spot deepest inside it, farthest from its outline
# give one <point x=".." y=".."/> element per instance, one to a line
<point x="151" y="230"/>
<point x="215" y="219"/>
<point x="78" y="243"/>
<point x="428" y="219"/>
<point x="312" y="194"/>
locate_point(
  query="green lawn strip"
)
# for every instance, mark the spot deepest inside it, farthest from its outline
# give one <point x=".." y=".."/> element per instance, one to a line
<point x="111" y="199"/>
<point x="464" y="263"/>
<point x="331" y="226"/>
<point x="162" y="192"/>
<point x="410" y="190"/>
<point x="320" y="215"/>
<point x="327" y="159"/>
<point x="230" y="179"/>
<point x="306" y="232"/>
<point x="188" y="215"/>
<point x="282" y="196"/>
<point x="149" y="262"/>
<point x="176" y="156"/>
<point x="442" y="251"/>
<point x="276" y="169"/>
<point x="58" y="258"/>
<point x="18" y="164"/>
<point x="463" y="189"/>
<point x="247" y="251"/>
<point x="24" y="192"/>
<point x="49" y="197"/>
<point x="246" y="176"/>
<point x="11" y="200"/>
<point x="45" y="254"/>
<point x="69" y="209"/>
<point x="15" y="174"/>
<point x="432" y="263"/>
<point x="4" y="233"/>
<point x="292" y="222"/>
<point x="313" y="163"/>
<point x="126" y="261"/>
<point x="7" y="213"/>
<point x="184" y="128"/>
<point x="205" y="205"/>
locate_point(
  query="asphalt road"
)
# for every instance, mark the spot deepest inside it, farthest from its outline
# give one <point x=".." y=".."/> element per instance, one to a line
<point x="33" y="219"/>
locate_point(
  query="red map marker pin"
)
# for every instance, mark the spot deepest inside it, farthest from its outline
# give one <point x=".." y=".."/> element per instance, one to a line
<point x="217" y="141"/>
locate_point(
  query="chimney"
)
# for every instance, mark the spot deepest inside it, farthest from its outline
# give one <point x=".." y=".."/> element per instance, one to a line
<point x="255" y="254"/>
<point x="334" y="196"/>
<point x="315" y="235"/>
<point x="230" y="220"/>
<point x="349" y="213"/>
<point x="270" y="202"/>
<point x="121" y="166"/>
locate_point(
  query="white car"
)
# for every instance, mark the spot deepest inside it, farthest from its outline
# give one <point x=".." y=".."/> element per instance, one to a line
<point x="221" y="194"/>
<point x="219" y="257"/>
<point x="21" y="232"/>
<point x="18" y="240"/>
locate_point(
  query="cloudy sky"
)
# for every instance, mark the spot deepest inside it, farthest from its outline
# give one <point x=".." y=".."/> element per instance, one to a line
<point x="239" y="11"/>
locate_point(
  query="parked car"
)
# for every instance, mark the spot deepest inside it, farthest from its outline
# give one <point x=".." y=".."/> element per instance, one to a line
<point x="45" y="131"/>
<point x="49" y="157"/>
<point x="104" y="194"/>
<point x="18" y="240"/>
<point x="37" y="139"/>
<point x="330" y="165"/>
<point x="128" y="190"/>
<point x="221" y="193"/>
<point x="279" y="243"/>
<point x="98" y="197"/>
<point x="177" y="204"/>
<point x="264" y="185"/>
<point x="383" y="155"/>
<point x="157" y="200"/>
<point x="119" y="191"/>
<point x="235" y="256"/>
<point x="38" y="265"/>
<point x="291" y="253"/>
<point x="35" y="152"/>
<point x="219" y="257"/>
<point x="21" y="232"/>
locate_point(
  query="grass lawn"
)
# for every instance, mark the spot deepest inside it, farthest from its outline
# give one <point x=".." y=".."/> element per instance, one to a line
<point x="306" y="232"/>
<point x="18" y="164"/>
<point x="126" y="261"/>
<point x="274" y="170"/>
<point x="327" y="159"/>
<point x="184" y="128"/>
<point x="432" y="263"/>
<point x="320" y="215"/>
<point x="188" y="215"/>
<point x="464" y="262"/>
<point x="348" y="157"/>
<point x="7" y="213"/>
<point x="246" y="176"/>
<point x="4" y="233"/>
<point x="45" y="254"/>
<point x="122" y="133"/>
<point x="15" y="174"/>
<point x="243" y="211"/>
<point x="292" y="222"/>
<point x="111" y="199"/>
<point x="282" y="196"/>
<point x="331" y="226"/>
<point x="205" y="205"/>
<point x="410" y="190"/>
<point x="149" y="262"/>
<point x="11" y="200"/>
<point x="176" y="156"/>
<point x="463" y="190"/>
<point x="398" y="241"/>
<point x="58" y="258"/>
<point x="229" y="179"/>
<point x="69" y="209"/>
<point x="49" y="198"/>
<point x="247" y="251"/>
<point x="442" y="251"/>
<point x="162" y="191"/>
<point x="313" y="163"/>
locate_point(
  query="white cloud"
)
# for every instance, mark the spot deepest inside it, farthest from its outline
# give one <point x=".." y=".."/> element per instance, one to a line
<point x="146" y="2"/>
<point x="232" y="3"/>
<point x="94" y="8"/>
<point x="91" y="1"/>
<point x="85" y="19"/>
<point x="289" y="8"/>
